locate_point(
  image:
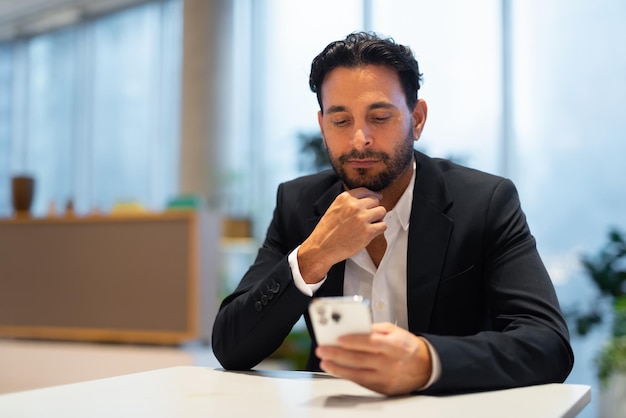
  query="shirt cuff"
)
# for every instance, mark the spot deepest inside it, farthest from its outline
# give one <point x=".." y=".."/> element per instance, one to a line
<point x="304" y="287"/>
<point x="435" y="364"/>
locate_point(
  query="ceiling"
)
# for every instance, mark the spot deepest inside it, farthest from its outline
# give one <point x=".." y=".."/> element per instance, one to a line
<point x="28" y="17"/>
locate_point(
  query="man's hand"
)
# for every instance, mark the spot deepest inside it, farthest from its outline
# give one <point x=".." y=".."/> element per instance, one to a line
<point x="389" y="360"/>
<point x="351" y="222"/>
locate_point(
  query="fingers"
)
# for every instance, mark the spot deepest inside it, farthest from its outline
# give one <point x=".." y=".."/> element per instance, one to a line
<point x="364" y="377"/>
<point x="351" y="222"/>
<point x="375" y="342"/>
<point x="347" y="358"/>
<point x="360" y="205"/>
<point x="364" y="369"/>
<point x="366" y="194"/>
<point x="383" y="327"/>
<point x="389" y="360"/>
<point x="359" y="199"/>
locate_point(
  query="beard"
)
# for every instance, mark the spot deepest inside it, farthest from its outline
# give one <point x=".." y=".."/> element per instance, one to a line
<point x="394" y="166"/>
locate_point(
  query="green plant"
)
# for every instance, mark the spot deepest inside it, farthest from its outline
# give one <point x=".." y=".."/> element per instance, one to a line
<point x="294" y="350"/>
<point x="607" y="270"/>
<point x="313" y="155"/>
<point x="612" y="358"/>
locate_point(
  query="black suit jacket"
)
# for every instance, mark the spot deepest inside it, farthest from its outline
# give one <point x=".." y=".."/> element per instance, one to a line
<point x="477" y="288"/>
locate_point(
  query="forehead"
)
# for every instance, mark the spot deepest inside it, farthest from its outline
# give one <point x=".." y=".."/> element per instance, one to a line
<point x="360" y="86"/>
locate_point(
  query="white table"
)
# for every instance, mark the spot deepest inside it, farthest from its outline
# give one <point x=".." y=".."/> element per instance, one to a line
<point x="204" y="392"/>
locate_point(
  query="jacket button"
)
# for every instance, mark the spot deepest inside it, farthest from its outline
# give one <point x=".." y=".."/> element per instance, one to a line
<point x="258" y="306"/>
<point x="264" y="300"/>
<point x="275" y="287"/>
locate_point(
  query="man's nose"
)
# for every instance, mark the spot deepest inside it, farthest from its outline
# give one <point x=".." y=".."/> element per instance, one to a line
<point x="361" y="139"/>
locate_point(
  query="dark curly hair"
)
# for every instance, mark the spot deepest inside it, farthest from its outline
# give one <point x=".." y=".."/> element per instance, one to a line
<point x="363" y="48"/>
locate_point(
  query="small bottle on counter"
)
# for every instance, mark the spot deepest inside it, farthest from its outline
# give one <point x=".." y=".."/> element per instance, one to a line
<point x="69" y="208"/>
<point x="52" y="209"/>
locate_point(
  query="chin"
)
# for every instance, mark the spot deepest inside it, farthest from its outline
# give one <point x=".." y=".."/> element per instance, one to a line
<point x="374" y="185"/>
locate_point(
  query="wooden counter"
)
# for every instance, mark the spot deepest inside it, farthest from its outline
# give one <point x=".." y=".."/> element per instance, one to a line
<point x="150" y="278"/>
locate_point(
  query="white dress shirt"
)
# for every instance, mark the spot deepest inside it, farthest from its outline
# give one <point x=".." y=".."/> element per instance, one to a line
<point x="385" y="286"/>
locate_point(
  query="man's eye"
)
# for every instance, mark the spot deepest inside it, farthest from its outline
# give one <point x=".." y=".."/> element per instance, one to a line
<point x="340" y="122"/>
<point x="380" y="119"/>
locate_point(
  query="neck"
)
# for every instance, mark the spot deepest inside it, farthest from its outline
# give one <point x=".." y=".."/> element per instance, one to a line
<point x="393" y="192"/>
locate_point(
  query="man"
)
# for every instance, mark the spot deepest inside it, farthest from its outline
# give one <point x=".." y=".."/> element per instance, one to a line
<point x="460" y="298"/>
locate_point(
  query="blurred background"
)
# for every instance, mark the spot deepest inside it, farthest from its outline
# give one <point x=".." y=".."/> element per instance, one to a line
<point x="104" y="101"/>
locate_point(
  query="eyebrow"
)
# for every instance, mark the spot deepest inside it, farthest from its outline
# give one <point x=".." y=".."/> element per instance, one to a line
<point x="336" y="109"/>
<point x="381" y="105"/>
<point x="373" y="106"/>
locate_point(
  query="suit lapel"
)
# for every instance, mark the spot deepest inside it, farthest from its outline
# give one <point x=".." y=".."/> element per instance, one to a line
<point x="429" y="234"/>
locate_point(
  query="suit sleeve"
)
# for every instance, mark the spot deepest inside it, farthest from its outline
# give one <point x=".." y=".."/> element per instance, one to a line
<point x="254" y="320"/>
<point x="527" y="341"/>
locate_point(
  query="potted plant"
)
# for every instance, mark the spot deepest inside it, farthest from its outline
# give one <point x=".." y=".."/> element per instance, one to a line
<point x="611" y="364"/>
<point x="607" y="270"/>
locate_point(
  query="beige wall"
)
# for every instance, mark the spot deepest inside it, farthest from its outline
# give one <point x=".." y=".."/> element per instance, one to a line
<point x="205" y="76"/>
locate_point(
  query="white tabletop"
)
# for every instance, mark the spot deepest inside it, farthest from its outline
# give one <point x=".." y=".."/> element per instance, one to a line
<point x="204" y="392"/>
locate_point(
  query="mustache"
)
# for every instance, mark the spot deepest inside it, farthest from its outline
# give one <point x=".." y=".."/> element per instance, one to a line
<point x="362" y="155"/>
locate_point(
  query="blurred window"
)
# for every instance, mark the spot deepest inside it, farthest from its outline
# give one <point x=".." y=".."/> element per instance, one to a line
<point x="91" y="110"/>
<point x="6" y="83"/>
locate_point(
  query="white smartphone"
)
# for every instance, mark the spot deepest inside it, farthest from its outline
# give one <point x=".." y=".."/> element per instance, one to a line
<point x="333" y="317"/>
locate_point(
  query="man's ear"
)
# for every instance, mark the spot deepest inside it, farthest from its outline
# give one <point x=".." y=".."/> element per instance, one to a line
<point x="320" y="120"/>
<point x="420" y="112"/>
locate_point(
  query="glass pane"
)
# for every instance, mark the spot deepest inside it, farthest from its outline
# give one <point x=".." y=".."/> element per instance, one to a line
<point x="93" y="110"/>
<point x="6" y="67"/>
<point x="457" y="44"/>
<point x="48" y="137"/>
<point x="136" y="57"/>
<point x="125" y="48"/>
<point x="570" y="89"/>
<point x="280" y="104"/>
<point x="165" y="164"/>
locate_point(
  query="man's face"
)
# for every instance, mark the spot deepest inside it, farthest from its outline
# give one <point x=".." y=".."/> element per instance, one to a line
<point x="367" y="126"/>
